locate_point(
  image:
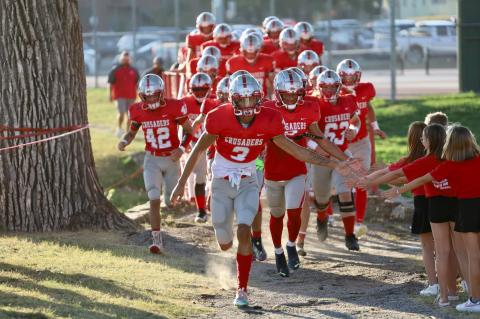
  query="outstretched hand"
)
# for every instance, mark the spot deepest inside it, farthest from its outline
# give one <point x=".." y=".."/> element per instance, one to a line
<point x="391" y="193"/>
<point x="363" y="183"/>
<point x="177" y="193"/>
<point x="380" y="133"/>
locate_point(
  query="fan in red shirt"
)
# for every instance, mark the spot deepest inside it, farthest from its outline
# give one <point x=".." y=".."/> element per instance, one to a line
<point x="222" y="39"/>
<point x="271" y="41"/>
<point x="240" y="130"/>
<point x="307" y="41"/>
<point x="159" y="118"/>
<point x="259" y="65"/>
<point x="205" y="24"/>
<point x="360" y="147"/>
<point x="286" y="56"/>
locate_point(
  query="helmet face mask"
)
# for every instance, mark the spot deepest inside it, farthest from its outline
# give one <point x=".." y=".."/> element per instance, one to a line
<point x="200" y="86"/>
<point x="250" y="46"/>
<point x="329" y="84"/>
<point x="289" y="91"/>
<point x="151" y="90"/>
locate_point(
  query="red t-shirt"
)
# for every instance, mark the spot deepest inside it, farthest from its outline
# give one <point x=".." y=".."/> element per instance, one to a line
<point x="237" y="143"/>
<point x="462" y="176"/>
<point x="160" y="126"/>
<point x="227" y="52"/>
<point x="269" y="46"/>
<point x="279" y="165"/>
<point x="423" y="166"/>
<point x="260" y="70"/>
<point x="123" y="80"/>
<point x="419" y="191"/>
<point x="283" y="60"/>
<point x="195" y="41"/>
<point x="335" y="119"/>
<point x="313" y="44"/>
<point x="364" y="93"/>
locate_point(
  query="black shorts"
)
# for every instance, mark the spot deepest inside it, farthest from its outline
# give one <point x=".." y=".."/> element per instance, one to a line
<point x="442" y="209"/>
<point x="420" y="222"/>
<point x="468" y="216"/>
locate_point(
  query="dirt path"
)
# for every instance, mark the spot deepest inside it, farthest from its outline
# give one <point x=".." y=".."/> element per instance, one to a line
<point x="380" y="281"/>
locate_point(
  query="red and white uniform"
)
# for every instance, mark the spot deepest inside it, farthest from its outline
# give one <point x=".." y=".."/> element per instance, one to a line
<point x="260" y="70"/>
<point x="314" y="45"/>
<point x="364" y="93"/>
<point x="269" y="46"/>
<point x="195" y="41"/>
<point x="192" y="68"/>
<point x="279" y="165"/>
<point x="227" y="52"/>
<point x="283" y="60"/>
<point x="194" y="108"/>
<point x="335" y="119"/>
<point x="160" y="126"/>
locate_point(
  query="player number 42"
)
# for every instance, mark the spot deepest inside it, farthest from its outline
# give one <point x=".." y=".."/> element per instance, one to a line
<point x="162" y="138"/>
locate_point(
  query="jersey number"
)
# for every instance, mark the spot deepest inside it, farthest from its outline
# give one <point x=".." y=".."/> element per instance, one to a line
<point x="331" y="127"/>
<point x="162" y="140"/>
<point x="242" y="153"/>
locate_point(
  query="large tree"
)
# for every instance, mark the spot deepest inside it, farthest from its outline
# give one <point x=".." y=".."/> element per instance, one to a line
<point x="54" y="185"/>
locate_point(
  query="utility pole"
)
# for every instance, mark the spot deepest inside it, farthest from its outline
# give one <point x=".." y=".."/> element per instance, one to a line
<point x="134" y="29"/>
<point x="329" y="33"/>
<point x="272" y="8"/>
<point x="393" y="52"/>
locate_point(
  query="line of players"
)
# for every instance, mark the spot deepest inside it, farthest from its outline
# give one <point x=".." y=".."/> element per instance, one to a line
<point x="310" y="119"/>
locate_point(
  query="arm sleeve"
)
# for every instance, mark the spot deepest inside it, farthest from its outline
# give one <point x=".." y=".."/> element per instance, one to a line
<point x="211" y="125"/>
<point x="415" y="169"/>
<point x="442" y="171"/>
<point x="111" y="75"/>
<point x="397" y="165"/>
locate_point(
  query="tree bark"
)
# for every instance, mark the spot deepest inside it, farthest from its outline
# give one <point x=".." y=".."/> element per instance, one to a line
<point x="53" y="185"/>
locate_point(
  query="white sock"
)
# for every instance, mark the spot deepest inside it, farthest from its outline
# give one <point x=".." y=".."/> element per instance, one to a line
<point x="290" y="243"/>
<point x="279" y="251"/>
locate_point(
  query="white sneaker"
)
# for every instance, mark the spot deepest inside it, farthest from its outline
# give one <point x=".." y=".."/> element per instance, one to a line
<point x="119" y="132"/>
<point x="360" y="230"/>
<point x="464" y="285"/>
<point x="469" y="306"/>
<point x="331" y="221"/>
<point x="157" y="242"/>
<point x="241" y="299"/>
<point x="440" y="303"/>
<point x="431" y="290"/>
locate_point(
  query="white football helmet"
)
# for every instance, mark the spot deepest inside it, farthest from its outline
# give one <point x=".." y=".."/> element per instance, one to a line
<point x="289" y="90"/>
<point x="151" y="89"/>
<point x="329" y="84"/>
<point x="245" y="94"/>
<point x="200" y="86"/>
<point x="350" y="72"/>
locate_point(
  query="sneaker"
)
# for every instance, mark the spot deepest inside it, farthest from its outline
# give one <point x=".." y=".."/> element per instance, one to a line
<point x="241" y="299"/>
<point x="281" y="262"/>
<point x="464" y="285"/>
<point x="441" y="304"/>
<point x="431" y="290"/>
<point x="157" y="243"/>
<point x="300" y="249"/>
<point x="322" y="229"/>
<point x="331" y="221"/>
<point x="119" y="132"/>
<point x="469" y="306"/>
<point x="351" y="242"/>
<point x="360" y="230"/>
<point x="201" y="217"/>
<point x="293" y="259"/>
<point x="259" y="252"/>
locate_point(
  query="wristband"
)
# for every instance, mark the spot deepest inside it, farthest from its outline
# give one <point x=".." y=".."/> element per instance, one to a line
<point x="354" y="128"/>
<point x="312" y="145"/>
<point x="375" y="125"/>
<point x="124" y="142"/>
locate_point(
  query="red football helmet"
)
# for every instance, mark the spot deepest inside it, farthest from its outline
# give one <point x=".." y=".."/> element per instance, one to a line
<point x="350" y="72"/>
<point x="245" y="94"/>
<point x="289" y="40"/>
<point x="200" y="86"/>
<point x="211" y="50"/>
<point x="289" y="90"/>
<point x="307" y="60"/>
<point x="250" y="46"/>
<point x="208" y="64"/>
<point x="151" y="90"/>
<point x="222" y="89"/>
<point x="304" y="30"/>
<point x="313" y="75"/>
<point x="205" y="23"/>
<point x="222" y="34"/>
<point x="273" y="29"/>
<point x="329" y="84"/>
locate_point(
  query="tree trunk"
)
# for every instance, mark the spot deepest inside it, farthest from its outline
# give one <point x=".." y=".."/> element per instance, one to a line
<point x="53" y="185"/>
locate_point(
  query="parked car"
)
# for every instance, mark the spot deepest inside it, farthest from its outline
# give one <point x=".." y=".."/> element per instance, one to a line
<point x="346" y="34"/>
<point x="381" y="29"/>
<point x="437" y="36"/>
<point x="106" y="43"/>
<point x="88" y="59"/>
<point x="141" y="39"/>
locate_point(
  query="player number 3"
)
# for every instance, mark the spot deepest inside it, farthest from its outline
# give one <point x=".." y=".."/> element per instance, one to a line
<point x="242" y="153"/>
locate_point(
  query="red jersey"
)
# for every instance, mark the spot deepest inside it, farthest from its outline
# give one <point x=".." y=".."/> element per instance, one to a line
<point x="123" y="80"/>
<point x="227" y="52"/>
<point x="195" y="41"/>
<point x="335" y="119"/>
<point x="279" y="165"/>
<point x="419" y="191"/>
<point x="160" y="126"/>
<point x="237" y="143"/>
<point x="462" y="176"/>
<point x="283" y="60"/>
<point x="423" y="166"/>
<point x="260" y="70"/>
<point x="314" y="45"/>
<point x="364" y="93"/>
<point x="269" y="46"/>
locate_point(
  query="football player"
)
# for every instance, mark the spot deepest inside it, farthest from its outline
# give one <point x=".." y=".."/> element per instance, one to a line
<point x="210" y="50"/>
<point x="205" y="24"/>
<point x="159" y="118"/>
<point x="240" y="129"/>
<point x="307" y="41"/>
<point x="222" y="39"/>
<point x="307" y="61"/>
<point x="286" y="56"/>
<point x="271" y="40"/>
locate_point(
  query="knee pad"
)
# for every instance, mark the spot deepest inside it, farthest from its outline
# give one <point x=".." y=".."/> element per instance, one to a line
<point x="347" y="208"/>
<point x="153" y="193"/>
